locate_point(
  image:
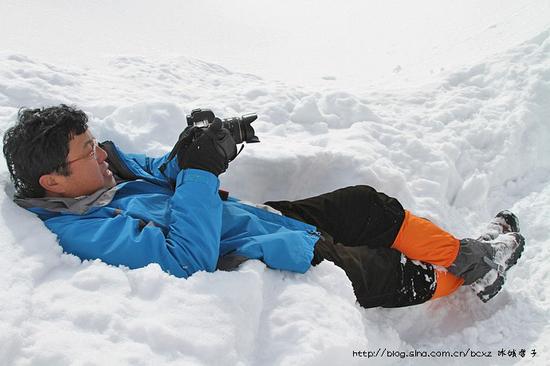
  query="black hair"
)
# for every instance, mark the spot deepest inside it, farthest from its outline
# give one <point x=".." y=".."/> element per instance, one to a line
<point x="38" y="144"/>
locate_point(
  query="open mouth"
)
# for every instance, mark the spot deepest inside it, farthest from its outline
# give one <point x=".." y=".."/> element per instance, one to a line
<point x="107" y="173"/>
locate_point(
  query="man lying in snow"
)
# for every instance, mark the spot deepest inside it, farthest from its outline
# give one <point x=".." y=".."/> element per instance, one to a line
<point x="120" y="208"/>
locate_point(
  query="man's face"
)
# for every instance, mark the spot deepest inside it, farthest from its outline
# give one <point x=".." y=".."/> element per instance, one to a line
<point x="89" y="171"/>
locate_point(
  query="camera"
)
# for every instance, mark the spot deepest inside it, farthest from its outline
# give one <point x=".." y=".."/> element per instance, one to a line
<point x="239" y="127"/>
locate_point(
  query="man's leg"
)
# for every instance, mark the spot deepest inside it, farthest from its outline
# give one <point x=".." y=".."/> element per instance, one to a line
<point x="365" y="224"/>
<point x="359" y="217"/>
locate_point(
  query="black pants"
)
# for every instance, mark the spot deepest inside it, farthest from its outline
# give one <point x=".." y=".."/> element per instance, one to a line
<point x="359" y="225"/>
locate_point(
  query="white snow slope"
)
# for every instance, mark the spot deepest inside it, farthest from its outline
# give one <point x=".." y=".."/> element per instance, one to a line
<point x="456" y="151"/>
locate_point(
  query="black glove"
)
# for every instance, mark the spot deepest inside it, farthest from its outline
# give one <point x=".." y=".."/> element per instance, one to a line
<point x="212" y="150"/>
<point x="185" y="140"/>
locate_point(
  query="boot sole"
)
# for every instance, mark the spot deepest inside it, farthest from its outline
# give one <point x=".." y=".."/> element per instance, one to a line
<point x="492" y="290"/>
<point x="517" y="253"/>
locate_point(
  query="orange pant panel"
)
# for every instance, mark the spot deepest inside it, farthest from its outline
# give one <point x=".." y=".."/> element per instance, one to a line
<point x="422" y="240"/>
<point x="447" y="283"/>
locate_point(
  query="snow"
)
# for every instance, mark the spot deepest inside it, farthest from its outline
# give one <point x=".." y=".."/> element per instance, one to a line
<point x="456" y="148"/>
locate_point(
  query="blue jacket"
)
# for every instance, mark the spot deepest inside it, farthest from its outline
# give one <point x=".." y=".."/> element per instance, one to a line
<point x="184" y="229"/>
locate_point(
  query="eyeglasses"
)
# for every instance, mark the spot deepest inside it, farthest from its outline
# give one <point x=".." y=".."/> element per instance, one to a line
<point x="91" y="155"/>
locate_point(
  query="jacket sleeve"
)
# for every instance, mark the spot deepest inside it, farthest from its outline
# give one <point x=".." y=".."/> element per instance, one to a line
<point x="191" y="244"/>
<point x="132" y="166"/>
<point x="152" y="165"/>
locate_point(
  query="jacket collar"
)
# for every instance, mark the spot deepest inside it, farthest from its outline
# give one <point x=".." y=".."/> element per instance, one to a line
<point x="78" y="205"/>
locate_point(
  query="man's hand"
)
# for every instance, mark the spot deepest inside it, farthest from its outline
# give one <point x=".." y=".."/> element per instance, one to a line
<point x="212" y="150"/>
<point x="185" y="140"/>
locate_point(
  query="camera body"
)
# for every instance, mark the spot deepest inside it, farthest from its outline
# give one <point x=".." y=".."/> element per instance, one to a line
<point x="239" y="127"/>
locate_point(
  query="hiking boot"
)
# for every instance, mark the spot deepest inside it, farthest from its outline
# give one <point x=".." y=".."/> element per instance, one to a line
<point x="507" y="250"/>
<point x="504" y="222"/>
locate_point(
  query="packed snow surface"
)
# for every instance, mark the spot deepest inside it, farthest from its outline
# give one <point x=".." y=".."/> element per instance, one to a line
<point x="456" y="150"/>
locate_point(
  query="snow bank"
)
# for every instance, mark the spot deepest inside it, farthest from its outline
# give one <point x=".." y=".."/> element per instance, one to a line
<point x="456" y="151"/>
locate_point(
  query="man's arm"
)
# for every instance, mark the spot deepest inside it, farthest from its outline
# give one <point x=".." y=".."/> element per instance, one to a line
<point x="216" y="140"/>
<point x="191" y="245"/>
